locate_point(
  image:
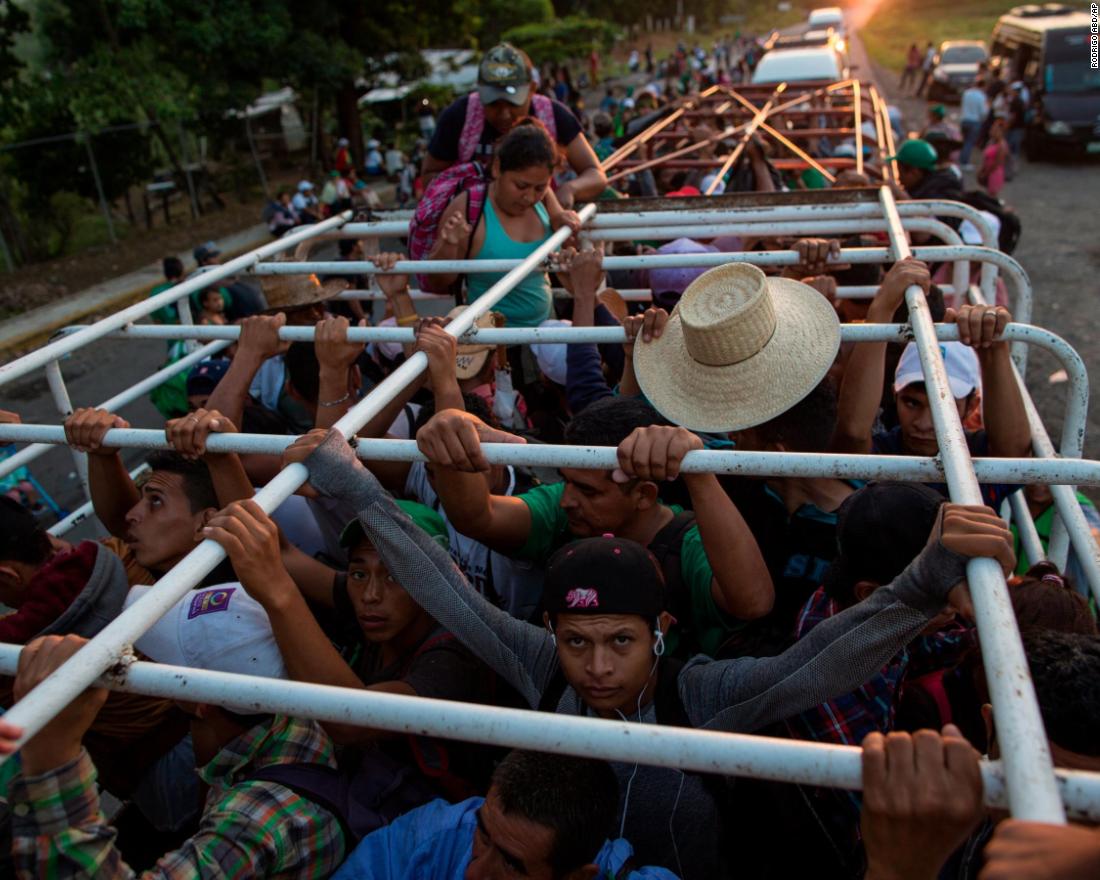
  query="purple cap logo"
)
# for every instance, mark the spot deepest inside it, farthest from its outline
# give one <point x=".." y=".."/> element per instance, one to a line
<point x="209" y="601"/>
<point x="581" y="597"/>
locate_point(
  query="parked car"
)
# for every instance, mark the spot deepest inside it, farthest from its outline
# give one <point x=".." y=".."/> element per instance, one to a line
<point x="955" y="67"/>
<point x="811" y="64"/>
<point x="828" y="17"/>
<point x="1046" y="47"/>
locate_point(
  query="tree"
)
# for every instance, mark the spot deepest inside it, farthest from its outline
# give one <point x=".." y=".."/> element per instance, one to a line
<point x="498" y="16"/>
<point x="562" y="40"/>
<point x="14" y="22"/>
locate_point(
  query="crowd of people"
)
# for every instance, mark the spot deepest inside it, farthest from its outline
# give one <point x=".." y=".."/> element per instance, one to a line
<point x="808" y="608"/>
<point x="993" y="116"/>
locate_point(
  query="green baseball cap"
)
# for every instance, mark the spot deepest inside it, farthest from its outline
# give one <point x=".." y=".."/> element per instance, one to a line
<point x="504" y="75"/>
<point x="918" y="154"/>
<point x="424" y="517"/>
<point x="939" y="111"/>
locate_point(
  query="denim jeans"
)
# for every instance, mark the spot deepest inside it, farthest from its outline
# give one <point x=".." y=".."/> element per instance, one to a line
<point x="970" y="130"/>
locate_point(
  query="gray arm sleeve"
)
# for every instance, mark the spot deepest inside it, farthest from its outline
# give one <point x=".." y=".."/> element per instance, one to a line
<point x="837" y="656"/>
<point x="521" y="653"/>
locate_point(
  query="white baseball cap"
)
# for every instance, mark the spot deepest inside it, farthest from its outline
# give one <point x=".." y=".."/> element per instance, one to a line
<point x="963" y="372"/>
<point x="970" y="234"/>
<point x="219" y="628"/>
<point x="551" y="356"/>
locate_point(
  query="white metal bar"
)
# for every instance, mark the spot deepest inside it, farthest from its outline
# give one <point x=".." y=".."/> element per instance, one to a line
<point x="123" y="398"/>
<point x="42" y="356"/>
<point x="802" y="464"/>
<point x="1033" y="792"/>
<point x="65" y="409"/>
<point x="703" y="751"/>
<point x="629" y="294"/>
<point x="785" y="228"/>
<point x="1025" y="528"/>
<point x="1020" y="285"/>
<point x="109" y="646"/>
<point x="721" y="214"/>
<point x="1069" y="521"/>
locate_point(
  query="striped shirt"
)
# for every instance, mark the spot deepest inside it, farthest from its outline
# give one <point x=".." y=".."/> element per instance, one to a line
<point x="248" y="829"/>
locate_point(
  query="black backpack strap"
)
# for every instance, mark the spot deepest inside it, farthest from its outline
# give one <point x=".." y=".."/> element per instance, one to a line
<point x="320" y="784"/>
<point x="667" y="546"/>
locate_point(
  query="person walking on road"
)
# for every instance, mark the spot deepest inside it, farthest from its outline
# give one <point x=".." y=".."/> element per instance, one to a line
<point x="973" y="112"/>
<point x="926" y="68"/>
<point x="912" y="66"/>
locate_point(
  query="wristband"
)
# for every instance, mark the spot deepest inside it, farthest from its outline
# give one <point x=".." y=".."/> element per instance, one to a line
<point x="407" y="320"/>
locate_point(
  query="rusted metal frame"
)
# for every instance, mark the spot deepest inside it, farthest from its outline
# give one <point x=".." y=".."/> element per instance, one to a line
<point x="794" y="148"/>
<point x="746" y="136"/>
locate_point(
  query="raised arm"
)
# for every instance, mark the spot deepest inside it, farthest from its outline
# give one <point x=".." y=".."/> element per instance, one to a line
<point x="581" y="274"/>
<point x="259" y="342"/>
<point x="522" y="654"/>
<point x="741" y="586"/>
<point x="864" y="373"/>
<point x="647" y="326"/>
<point x="188" y="436"/>
<point x="251" y="540"/>
<point x="843" y="652"/>
<point x="1003" y="408"/>
<point x="441" y="350"/>
<point x="452" y="442"/>
<point x="113" y="492"/>
<point x="453" y="242"/>
<point x="336" y="359"/>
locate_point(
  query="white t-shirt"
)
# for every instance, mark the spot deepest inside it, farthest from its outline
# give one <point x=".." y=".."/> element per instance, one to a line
<point x="511" y="584"/>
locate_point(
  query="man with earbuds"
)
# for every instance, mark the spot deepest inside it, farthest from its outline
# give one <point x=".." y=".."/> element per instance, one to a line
<point x="600" y="650"/>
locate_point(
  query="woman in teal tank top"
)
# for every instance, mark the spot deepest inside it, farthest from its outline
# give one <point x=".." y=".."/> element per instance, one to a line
<point x="512" y="225"/>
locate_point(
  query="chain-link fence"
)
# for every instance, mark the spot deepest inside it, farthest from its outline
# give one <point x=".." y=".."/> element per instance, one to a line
<point x="63" y="192"/>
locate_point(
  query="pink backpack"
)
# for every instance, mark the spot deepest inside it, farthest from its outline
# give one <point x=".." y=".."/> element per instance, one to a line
<point x="467" y="177"/>
<point x="470" y="139"/>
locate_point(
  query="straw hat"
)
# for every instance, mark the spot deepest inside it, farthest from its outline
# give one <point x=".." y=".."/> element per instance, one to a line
<point x="471" y="358"/>
<point x="292" y="291"/>
<point x="739" y="349"/>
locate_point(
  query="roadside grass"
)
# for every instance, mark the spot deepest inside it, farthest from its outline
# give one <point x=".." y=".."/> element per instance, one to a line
<point x="897" y="23"/>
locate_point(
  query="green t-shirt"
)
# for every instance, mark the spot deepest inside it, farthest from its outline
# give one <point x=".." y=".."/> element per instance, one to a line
<point x="550" y="530"/>
<point x="165" y="314"/>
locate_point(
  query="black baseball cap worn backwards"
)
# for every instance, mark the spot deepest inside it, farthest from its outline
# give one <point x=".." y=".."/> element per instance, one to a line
<point x="605" y="575"/>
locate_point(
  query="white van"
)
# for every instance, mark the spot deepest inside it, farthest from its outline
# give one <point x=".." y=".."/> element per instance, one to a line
<point x="811" y="64"/>
<point x="828" y="17"/>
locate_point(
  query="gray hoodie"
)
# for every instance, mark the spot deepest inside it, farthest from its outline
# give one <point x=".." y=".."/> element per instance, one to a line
<point x="98" y="603"/>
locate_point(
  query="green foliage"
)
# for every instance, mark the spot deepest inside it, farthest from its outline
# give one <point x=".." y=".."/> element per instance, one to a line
<point x="14" y="21"/>
<point x="564" y="39"/>
<point x="897" y="23"/>
<point x="498" y="16"/>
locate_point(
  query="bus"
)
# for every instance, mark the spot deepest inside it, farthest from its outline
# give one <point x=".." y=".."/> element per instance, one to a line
<point x="1047" y="47"/>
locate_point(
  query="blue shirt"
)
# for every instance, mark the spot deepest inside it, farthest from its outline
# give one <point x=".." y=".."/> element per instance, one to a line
<point x="436" y="841"/>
